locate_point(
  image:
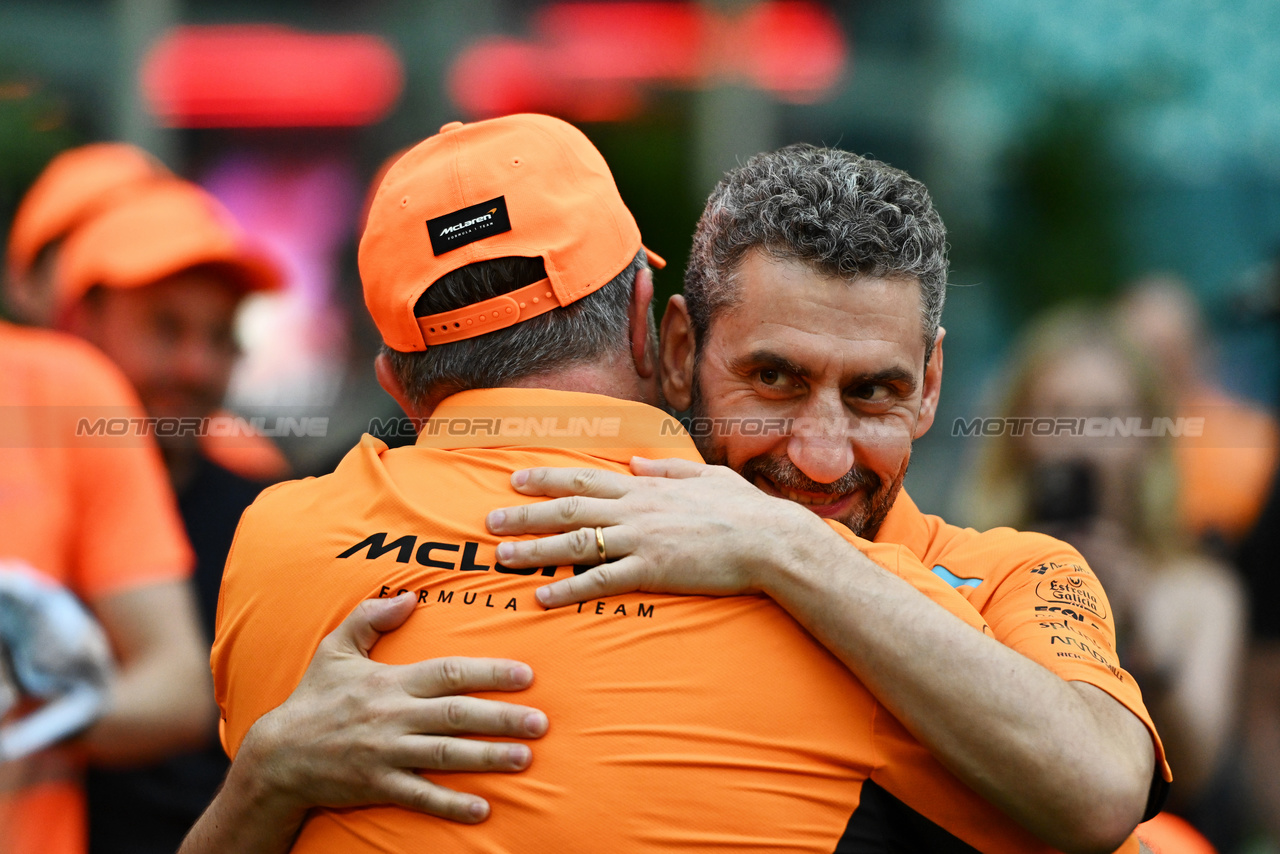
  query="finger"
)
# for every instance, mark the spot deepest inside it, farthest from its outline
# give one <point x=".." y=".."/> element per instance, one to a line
<point x="607" y="579"/>
<point x="407" y="789"/>
<point x="367" y="622"/>
<point x="674" y="468"/>
<point x="553" y="517"/>
<point x="444" y="677"/>
<point x="474" y="716"/>
<point x="444" y="753"/>
<point x="556" y="482"/>
<point x="576" y="547"/>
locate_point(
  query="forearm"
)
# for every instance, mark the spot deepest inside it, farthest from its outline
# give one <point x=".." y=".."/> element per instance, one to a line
<point x="248" y="815"/>
<point x="159" y="705"/>
<point x="1044" y="750"/>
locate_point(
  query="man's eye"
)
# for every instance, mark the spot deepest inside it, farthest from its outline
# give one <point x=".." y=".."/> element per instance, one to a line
<point x="771" y="377"/>
<point x="874" y="393"/>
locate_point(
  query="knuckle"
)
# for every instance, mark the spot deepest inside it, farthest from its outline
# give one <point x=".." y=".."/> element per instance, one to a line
<point x="440" y="754"/>
<point x="582" y="480"/>
<point x="453" y="674"/>
<point x="581" y="539"/>
<point x="569" y="508"/>
<point x="455" y="712"/>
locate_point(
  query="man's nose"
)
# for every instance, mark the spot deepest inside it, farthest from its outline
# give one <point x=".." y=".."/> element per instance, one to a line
<point x="821" y="444"/>
<point x="198" y="363"/>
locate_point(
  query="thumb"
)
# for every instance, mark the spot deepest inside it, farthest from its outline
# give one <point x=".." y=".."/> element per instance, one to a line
<point x="673" y="467"/>
<point x="368" y="621"/>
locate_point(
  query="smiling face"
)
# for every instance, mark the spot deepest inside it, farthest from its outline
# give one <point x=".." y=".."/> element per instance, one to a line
<point x="810" y="386"/>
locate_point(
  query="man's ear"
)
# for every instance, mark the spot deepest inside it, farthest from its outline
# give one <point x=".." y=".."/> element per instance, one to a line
<point x="391" y="385"/>
<point x="677" y="350"/>
<point x="932" y="387"/>
<point x="641" y="348"/>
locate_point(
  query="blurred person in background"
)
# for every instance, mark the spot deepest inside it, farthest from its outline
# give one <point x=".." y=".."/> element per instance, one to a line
<point x="1225" y="474"/>
<point x="74" y="186"/>
<point x="155" y="280"/>
<point x="96" y="516"/>
<point x="1180" y="614"/>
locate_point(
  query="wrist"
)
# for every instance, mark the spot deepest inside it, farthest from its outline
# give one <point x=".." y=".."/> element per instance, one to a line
<point x="804" y="548"/>
<point x="261" y="776"/>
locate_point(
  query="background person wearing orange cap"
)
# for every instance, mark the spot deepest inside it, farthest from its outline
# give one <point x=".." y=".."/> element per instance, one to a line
<point x="490" y="202"/>
<point x="96" y="515"/>
<point x="72" y="188"/>
<point x="154" y="280"/>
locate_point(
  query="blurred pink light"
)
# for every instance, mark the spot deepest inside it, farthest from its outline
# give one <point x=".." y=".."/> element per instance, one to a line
<point x="269" y="76"/>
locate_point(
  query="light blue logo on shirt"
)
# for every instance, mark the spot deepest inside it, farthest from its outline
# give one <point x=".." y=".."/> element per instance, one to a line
<point x="953" y="579"/>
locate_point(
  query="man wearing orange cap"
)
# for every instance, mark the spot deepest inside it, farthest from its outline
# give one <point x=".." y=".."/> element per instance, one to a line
<point x="495" y="248"/>
<point x="72" y="188"/>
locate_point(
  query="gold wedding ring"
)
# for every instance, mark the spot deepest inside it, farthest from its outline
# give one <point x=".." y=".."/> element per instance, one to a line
<point x="600" y="545"/>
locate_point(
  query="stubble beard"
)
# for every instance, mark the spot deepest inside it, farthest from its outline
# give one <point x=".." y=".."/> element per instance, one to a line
<point x="864" y="519"/>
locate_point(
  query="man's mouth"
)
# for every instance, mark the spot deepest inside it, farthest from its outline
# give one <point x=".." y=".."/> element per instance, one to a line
<point x="822" y="503"/>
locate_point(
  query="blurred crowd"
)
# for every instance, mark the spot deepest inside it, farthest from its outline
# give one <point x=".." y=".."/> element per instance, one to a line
<point x="1111" y="430"/>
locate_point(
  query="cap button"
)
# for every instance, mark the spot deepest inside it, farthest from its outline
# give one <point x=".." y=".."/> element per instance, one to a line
<point x="450" y="126"/>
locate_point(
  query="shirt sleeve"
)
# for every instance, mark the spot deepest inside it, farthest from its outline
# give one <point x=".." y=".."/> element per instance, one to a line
<point x="1045" y="602"/>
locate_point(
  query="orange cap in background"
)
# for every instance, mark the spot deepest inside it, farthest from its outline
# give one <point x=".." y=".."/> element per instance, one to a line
<point x="74" y="186"/>
<point x="160" y="230"/>
<point x="524" y="185"/>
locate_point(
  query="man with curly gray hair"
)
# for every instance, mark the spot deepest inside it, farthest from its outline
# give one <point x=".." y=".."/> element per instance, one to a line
<point x="844" y="215"/>
<point x="808" y="349"/>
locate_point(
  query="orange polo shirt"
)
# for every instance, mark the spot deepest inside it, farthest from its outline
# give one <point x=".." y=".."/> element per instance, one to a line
<point x="94" y="512"/>
<point x="676" y="721"/>
<point x="1036" y="593"/>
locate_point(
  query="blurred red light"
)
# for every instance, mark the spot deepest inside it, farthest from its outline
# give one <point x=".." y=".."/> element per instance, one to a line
<point x="591" y="60"/>
<point x="269" y="76"/>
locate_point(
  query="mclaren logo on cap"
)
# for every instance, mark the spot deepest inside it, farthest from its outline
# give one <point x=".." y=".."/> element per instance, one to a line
<point x="468" y="225"/>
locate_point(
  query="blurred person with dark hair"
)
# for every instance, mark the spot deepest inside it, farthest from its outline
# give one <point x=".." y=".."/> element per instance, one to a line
<point x="95" y="515"/>
<point x="1112" y="491"/>
<point x="1224" y="474"/>
<point x="1060" y="748"/>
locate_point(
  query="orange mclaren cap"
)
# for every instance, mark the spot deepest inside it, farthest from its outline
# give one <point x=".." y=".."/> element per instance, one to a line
<point x="524" y="185"/>
<point x="158" y="231"/>
<point x="72" y="188"/>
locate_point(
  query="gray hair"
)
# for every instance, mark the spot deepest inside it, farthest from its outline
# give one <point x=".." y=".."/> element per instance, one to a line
<point x="587" y="330"/>
<point x="843" y="214"/>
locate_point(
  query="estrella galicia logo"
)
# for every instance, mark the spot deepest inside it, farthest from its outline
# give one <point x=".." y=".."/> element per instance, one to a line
<point x="1074" y="591"/>
<point x="468" y="225"/>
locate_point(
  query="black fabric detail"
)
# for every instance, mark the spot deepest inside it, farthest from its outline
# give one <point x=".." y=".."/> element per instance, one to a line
<point x="1156" y="796"/>
<point x="882" y="824"/>
<point x="468" y="225"/>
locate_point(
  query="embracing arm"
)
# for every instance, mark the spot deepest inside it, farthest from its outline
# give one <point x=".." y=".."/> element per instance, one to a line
<point x="1064" y="759"/>
<point x="354" y="732"/>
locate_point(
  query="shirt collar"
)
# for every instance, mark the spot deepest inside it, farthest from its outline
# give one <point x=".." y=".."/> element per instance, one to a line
<point x="904" y="524"/>
<point x="604" y="427"/>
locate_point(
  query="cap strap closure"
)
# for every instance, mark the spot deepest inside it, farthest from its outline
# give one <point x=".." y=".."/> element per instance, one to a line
<point x="489" y="315"/>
